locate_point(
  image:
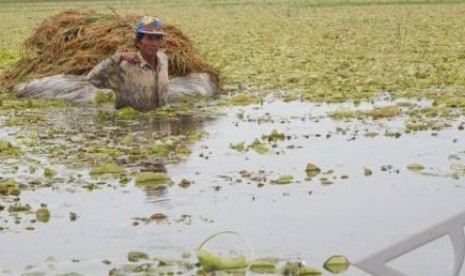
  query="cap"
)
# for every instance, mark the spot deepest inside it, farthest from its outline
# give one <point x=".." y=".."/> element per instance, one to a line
<point x="149" y="25"/>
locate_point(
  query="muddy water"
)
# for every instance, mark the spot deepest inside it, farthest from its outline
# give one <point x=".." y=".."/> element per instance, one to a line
<point x="342" y="210"/>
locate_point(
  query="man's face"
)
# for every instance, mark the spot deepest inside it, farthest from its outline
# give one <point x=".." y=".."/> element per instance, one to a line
<point x="150" y="44"/>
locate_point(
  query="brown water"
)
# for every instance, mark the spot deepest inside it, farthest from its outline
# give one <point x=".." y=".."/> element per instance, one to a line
<point x="309" y="219"/>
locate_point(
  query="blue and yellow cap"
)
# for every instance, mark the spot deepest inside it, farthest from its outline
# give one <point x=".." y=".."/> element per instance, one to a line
<point x="149" y="25"/>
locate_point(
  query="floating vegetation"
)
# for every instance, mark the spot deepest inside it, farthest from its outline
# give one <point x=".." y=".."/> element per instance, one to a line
<point x="43" y="214"/>
<point x="312" y="170"/>
<point x="367" y="172"/>
<point x="240" y="99"/>
<point x="49" y="173"/>
<point x="274" y="136"/>
<point x="6" y="148"/>
<point x="415" y="167"/>
<point x="211" y="262"/>
<point x="8" y="187"/>
<point x="108" y="170"/>
<point x="158" y="217"/>
<point x="383" y="112"/>
<point x="336" y="264"/>
<point x="19" y="208"/>
<point x="259" y="147"/>
<point x="240" y="147"/>
<point x="151" y="179"/>
<point x="283" y="179"/>
<point x="263" y="266"/>
<point x="73" y="216"/>
<point x="135" y="256"/>
<point x="185" y="183"/>
<point x="298" y="268"/>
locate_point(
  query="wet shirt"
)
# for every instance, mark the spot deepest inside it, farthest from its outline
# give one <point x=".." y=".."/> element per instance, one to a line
<point x="135" y="85"/>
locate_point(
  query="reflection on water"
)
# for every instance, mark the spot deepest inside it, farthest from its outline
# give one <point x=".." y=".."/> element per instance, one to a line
<point x="341" y="210"/>
<point x="182" y="125"/>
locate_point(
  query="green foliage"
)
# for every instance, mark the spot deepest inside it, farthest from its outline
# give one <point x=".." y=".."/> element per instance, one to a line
<point x="135" y="256"/>
<point x="108" y="169"/>
<point x="149" y="179"/>
<point x="336" y="264"/>
<point x="6" y="148"/>
<point x="211" y="262"/>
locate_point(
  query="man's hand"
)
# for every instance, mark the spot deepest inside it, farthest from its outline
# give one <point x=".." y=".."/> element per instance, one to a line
<point x="132" y="58"/>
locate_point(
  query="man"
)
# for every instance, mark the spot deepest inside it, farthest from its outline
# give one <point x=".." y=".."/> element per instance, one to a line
<point x="139" y="79"/>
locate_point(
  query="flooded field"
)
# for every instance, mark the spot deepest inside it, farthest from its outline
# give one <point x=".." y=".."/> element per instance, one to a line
<point x="245" y="169"/>
<point x="340" y="131"/>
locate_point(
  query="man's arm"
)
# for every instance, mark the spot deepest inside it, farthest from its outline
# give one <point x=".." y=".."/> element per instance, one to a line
<point x="104" y="74"/>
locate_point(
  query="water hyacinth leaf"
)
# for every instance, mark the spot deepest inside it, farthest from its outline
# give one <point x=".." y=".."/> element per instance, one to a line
<point x="297" y="268"/>
<point x="6" y="148"/>
<point x="164" y="261"/>
<point x="7" y="186"/>
<point x="312" y="170"/>
<point x="160" y="148"/>
<point x="158" y="217"/>
<point x="263" y="266"/>
<point x="415" y="167"/>
<point x="164" y="270"/>
<point x="259" y="147"/>
<point x="18" y="207"/>
<point x="367" y="172"/>
<point x="135" y="256"/>
<point x="49" y="173"/>
<point x="182" y="149"/>
<point x="4" y="145"/>
<point x="307" y="270"/>
<point x="274" y="136"/>
<point x="336" y="264"/>
<point x="383" y="112"/>
<point x="284" y="179"/>
<point x="146" y="268"/>
<point x="240" y="147"/>
<point x="43" y="214"/>
<point x="244" y="99"/>
<point x="151" y="178"/>
<point x="211" y="262"/>
<point x="108" y="169"/>
<point x="126" y="112"/>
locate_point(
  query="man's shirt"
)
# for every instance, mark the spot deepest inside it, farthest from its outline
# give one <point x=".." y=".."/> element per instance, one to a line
<point x="135" y="85"/>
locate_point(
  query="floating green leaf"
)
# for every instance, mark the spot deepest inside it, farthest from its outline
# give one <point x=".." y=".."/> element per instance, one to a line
<point x="336" y="264"/>
<point x="312" y="170"/>
<point x="259" y="147"/>
<point x="6" y="148"/>
<point x="18" y="208"/>
<point x="108" y="169"/>
<point x="296" y="268"/>
<point x="415" y="167"/>
<point x="49" y="173"/>
<point x="151" y="178"/>
<point x="284" y="179"/>
<point x="43" y="214"/>
<point x="264" y="266"/>
<point x="8" y="187"/>
<point x="240" y="147"/>
<point x="135" y="256"/>
<point x="211" y="262"/>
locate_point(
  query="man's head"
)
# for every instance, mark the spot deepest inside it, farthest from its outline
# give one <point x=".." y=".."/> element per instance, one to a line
<point x="149" y="35"/>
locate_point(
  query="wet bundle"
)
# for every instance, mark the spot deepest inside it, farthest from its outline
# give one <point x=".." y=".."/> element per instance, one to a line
<point x="73" y="42"/>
